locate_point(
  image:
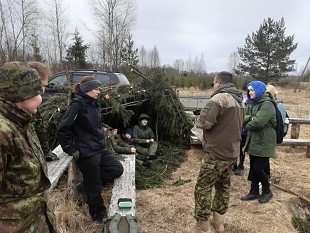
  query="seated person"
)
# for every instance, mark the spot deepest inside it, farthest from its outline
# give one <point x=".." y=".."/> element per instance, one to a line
<point x="127" y="136"/>
<point x="120" y="146"/>
<point x="143" y="138"/>
<point x="115" y="143"/>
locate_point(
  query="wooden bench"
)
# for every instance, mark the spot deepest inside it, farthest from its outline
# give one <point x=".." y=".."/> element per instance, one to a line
<point x="56" y="168"/>
<point x="295" y="126"/>
<point x="124" y="187"/>
<point x="297" y="142"/>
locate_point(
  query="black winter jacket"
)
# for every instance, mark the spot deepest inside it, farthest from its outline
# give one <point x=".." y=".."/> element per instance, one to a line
<point x="80" y="127"/>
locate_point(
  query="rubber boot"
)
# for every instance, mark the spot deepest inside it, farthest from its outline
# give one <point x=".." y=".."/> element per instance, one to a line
<point x="203" y="226"/>
<point x="218" y="222"/>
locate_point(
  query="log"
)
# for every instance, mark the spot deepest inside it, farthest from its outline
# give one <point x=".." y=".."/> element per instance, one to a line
<point x="297" y="142"/>
<point x="291" y="192"/>
<point x="74" y="176"/>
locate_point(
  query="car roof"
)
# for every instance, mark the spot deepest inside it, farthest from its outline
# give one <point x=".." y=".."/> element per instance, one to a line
<point x="115" y="77"/>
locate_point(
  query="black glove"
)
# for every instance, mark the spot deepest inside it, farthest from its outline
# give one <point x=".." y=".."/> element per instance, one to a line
<point x="50" y="156"/>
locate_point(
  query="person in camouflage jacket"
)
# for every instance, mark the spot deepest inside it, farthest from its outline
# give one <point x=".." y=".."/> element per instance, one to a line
<point x="40" y="127"/>
<point x="23" y="170"/>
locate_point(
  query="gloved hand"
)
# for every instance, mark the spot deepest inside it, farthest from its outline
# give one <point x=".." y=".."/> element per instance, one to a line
<point x="50" y="156"/>
<point x="76" y="155"/>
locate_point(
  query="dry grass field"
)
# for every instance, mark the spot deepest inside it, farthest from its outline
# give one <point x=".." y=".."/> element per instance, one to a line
<point x="170" y="209"/>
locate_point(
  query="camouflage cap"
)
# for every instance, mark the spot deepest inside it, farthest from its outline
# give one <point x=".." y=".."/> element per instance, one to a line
<point x="19" y="82"/>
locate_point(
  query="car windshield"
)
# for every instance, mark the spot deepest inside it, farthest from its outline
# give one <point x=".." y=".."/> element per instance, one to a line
<point x="122" y="78"/>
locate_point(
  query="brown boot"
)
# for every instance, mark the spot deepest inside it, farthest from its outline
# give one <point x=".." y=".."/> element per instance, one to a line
<point x="218" y="222"/>
<point x="202" y="226"/>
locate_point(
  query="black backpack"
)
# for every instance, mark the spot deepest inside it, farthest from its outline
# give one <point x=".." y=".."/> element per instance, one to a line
<point x="281" y="127"/>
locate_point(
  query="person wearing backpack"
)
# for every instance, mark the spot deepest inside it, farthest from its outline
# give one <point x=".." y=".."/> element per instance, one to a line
<point x="259" y="121"/>
<point x="285" y="118"/>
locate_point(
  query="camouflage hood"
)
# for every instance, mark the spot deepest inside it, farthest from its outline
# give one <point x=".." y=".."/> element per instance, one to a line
<point x="18" y="82"/>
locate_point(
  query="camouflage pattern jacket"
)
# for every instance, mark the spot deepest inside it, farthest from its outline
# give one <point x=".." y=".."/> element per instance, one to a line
<point x="23" y="174"/>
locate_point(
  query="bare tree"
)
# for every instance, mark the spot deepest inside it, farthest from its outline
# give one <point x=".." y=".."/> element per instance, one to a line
<point x="116" y="18"/>
<point x="153" y="57"/>
<point x="179" y="65"/>
<point x="142" y="57"/>
<point x="198" y="65"/>
<point x="233" y="62"/>
<point x="57" y="27"/>
<point x="17" y="19"/>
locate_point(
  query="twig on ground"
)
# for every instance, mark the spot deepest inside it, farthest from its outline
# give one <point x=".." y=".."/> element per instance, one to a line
<point x="291" y="192"/>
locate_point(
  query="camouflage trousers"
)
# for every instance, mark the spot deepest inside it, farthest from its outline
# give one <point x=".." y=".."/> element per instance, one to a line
<point x="213" y="173"/>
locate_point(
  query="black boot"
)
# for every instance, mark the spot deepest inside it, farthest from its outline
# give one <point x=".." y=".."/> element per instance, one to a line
<point x="239" y="170"/>
<point x="265" y="197"/>
<point x="253" y="194"/>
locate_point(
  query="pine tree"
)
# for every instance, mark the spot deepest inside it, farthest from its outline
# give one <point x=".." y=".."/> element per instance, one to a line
<point x="76" y="53"/>
<point x="129" y="54"/>
<point x="265" y="55"/>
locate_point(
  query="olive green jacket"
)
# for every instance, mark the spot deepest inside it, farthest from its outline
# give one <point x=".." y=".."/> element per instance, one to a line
<point x="23" y="174"/>
<point x="259" y="121"/>
<point x="141" y="134"/>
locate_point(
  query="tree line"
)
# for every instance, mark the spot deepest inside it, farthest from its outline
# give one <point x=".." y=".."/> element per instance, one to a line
<point x="30" y="32"/>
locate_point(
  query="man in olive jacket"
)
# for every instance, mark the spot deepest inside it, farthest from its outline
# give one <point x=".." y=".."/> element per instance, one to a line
<point x="260" y="120"/>
<point x="221" y="121"/>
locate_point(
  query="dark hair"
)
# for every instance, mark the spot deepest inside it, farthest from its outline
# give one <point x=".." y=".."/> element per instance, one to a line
<point x="84" y="80"/>
<point x="224" y="77"/>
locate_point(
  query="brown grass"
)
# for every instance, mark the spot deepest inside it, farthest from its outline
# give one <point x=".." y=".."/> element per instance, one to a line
<point x="170" y="209"/>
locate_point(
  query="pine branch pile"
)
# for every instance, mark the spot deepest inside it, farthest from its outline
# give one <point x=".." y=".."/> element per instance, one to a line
<point x="121" y="108"/>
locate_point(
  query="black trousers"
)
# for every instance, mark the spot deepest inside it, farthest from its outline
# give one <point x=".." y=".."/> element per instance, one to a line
<point x="98" y="170"/>
<point x="258" y="174"/>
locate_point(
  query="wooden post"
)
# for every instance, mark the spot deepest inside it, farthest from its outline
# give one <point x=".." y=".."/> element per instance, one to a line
<point x="308" y="152"/>
<point x="295" y="130"/>
<point x="74" y="176"/>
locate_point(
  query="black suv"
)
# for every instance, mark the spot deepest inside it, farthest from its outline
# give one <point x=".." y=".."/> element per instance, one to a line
<point x="59" y="81"/>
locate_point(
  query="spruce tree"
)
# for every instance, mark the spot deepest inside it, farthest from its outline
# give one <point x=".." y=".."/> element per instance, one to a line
<point x="265" y="55"/>
<point x="129" y="54"/>
<point x="76" y="53"/>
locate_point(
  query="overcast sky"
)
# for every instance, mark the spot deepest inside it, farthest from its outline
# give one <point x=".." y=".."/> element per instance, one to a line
<point x="216" y="28"/>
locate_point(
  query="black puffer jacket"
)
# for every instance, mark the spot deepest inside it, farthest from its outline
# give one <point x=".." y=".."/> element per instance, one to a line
<point x="80" y="127"/>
